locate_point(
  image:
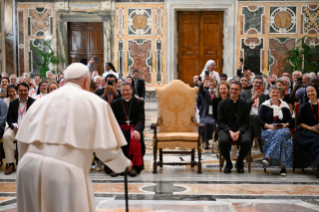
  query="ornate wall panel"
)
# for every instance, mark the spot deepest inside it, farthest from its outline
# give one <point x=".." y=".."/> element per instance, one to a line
<point x="140" y="57"/>
<point x="310" y="19"/>
<point x="120" y="21"/>
<point x="312" y="41"/>
<point x="159" y="61"/>
<point x="40" y="22"/>
<point x="21" y="37"/>
<point x="277" y="54"/>
<point x="159" y="21"/>
<point x="283" y="20"/>
<point x="33" y="57"/>
<point x="8" y="18"/>
<point x="9" y="51"/>
<point x="140" y="21"/>
<point x="253" y="53"/>
<point x="253" y="19"/>
<point x="120" y="66"/>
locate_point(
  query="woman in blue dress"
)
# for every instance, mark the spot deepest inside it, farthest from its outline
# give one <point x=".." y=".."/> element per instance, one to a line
<point x="275" y="118"/>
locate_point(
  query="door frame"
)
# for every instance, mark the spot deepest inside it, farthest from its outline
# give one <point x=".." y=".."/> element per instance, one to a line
<point x="62" y="19"/>
<point x="230" y="9"/>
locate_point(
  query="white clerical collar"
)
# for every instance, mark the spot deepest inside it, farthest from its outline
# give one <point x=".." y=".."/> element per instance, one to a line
<point x="127" y="100"/>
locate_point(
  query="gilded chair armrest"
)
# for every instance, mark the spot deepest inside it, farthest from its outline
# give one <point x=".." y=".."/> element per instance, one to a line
<point x="155" y="125"/>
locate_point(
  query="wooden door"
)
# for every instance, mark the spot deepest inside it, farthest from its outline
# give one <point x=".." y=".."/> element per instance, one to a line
<point x="200" y="38"/>
<point x="86" y="42"/>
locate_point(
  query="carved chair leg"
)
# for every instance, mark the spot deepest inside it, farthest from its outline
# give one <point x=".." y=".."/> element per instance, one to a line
<point x="193" y="158"/>
<point x="155" y="157"/>
<point x="206" y="144"/>
<point x="17" y="154"/>
<point x="161" y="157"/>
<point x="199" y="159"/>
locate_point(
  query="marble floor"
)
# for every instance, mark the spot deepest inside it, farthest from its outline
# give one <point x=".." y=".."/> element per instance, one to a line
<point x="180" y="188"/>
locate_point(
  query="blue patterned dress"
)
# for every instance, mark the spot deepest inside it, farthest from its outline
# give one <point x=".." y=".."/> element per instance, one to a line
<point x="277" y="143"/>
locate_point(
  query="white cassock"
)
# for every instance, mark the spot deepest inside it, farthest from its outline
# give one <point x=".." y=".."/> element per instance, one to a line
<point x="56" y="141"/>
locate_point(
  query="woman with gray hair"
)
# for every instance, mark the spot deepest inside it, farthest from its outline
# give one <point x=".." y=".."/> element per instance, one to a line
<point x="275" y="118"/>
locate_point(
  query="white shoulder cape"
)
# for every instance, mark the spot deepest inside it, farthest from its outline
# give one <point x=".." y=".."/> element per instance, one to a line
<point x="71" y="116"/>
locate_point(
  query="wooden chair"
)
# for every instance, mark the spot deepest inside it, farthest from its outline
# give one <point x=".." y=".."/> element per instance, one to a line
<point x="176" y="125"/>
<point x="221" y="157"/>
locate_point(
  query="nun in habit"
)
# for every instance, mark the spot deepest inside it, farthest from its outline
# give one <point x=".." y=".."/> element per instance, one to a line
<point x="211" y="67"/>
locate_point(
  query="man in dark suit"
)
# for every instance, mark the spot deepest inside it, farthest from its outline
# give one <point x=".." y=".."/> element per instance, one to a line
<point x="109" y="93"/>
<point x="254" y="98"/>
<point x="233" y="126"/>
<point x="138" y="85"/>
<point x="16" y="113"/>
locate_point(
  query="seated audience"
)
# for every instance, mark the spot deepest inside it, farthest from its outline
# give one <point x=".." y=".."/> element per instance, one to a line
<point x="118" y="84"/>
<point x="284" y="96"/>
<point x="37" y="80"/>
<point x="4" y="85"/>
<point x="5" y="75"/>
<point x="13" y="79"/>
<point x="206" y="109"/>
<point x="233" y="126"/>
<point x="92" y="87"/>
<point x="195" y="81"/>
<point x="240" y="67"/>
<point x="59" y="76"/>
<point x="130" y="114"/>
<point x="299" y="92"/>
<point x="48" y="80"/>
<point x="138" y="85"/>
<point x="254" y="98"/>
<point x="94" y="74"/>
<point x="52" y="86"/>
<point x="49" y="75"/>
<point x="307" y="136"/>
<point x="20" y="80"/>
<point x="16" y="113"/>
<point x="210" y="67"/>
<point x="287" y="84"/>
<point x="103" y="82"/>
<point x="223" y="77"/>
<point x="97" y="80"/>
<point x="11" y="93"/>
<point x="245" y="84"/>
<point x="109" y="92"/>
<point x="222" y="93"/>
<point x="275" y="118"/>
<point x="42" y="90"/>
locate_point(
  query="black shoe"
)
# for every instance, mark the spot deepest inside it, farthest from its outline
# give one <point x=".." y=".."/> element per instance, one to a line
<point x="236" y="165"/>
<point x="240" y="170"/>
<point x="265" y="161"/>
<point x="113" y="174"/>
<point x="283" y="172"/>
<point x="228" y="168"/>
<point x="133" y="172"/>
<point x="240" y="167"/>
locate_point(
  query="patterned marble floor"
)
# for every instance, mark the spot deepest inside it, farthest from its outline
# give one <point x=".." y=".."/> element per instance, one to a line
<point x="180" y="188"/>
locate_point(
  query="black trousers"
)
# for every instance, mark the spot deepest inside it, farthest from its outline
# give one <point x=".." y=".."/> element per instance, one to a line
<point x="224" y="141"/>
<point x="255" y="127"/>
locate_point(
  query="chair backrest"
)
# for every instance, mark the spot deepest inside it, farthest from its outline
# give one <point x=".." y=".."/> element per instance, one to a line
<point x="176" y="106"/>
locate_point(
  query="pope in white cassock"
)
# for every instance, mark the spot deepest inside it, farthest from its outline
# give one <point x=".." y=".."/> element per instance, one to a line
<point x="56" y="141"/>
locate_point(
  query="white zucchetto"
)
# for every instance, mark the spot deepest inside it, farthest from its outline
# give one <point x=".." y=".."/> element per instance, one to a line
<point x="75" y="70"/>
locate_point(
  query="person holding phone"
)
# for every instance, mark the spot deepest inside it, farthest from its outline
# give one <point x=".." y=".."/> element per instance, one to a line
<point x="255" y="98"/>
<point x="275" y="118"/>
<point x="4" y="85"/>
<point x="110" y="92"/>
<point x="209" y="70"/>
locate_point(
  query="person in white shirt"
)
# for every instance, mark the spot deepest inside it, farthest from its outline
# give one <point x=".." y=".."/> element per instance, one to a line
<point x="211" y="67"/>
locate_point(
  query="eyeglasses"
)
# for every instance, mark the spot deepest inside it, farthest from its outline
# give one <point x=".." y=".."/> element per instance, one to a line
<point x="234" y="89"/>
<point x="256" y="82"/>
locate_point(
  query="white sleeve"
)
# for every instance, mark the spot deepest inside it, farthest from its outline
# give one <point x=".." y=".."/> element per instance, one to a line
<point x="115" y="159"/>
<point x="217" y="76"/>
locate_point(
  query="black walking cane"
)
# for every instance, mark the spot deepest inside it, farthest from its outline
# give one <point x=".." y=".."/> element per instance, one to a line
<point x="126" y="189"/>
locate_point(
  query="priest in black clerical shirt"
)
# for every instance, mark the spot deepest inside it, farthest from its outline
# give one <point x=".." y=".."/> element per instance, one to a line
<point x="233" y="126"/>
<point x="130" y="114"/>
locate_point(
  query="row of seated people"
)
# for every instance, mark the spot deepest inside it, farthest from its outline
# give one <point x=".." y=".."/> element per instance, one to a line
<point x="126" y="104"/>
<point x="238" y="115"/>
